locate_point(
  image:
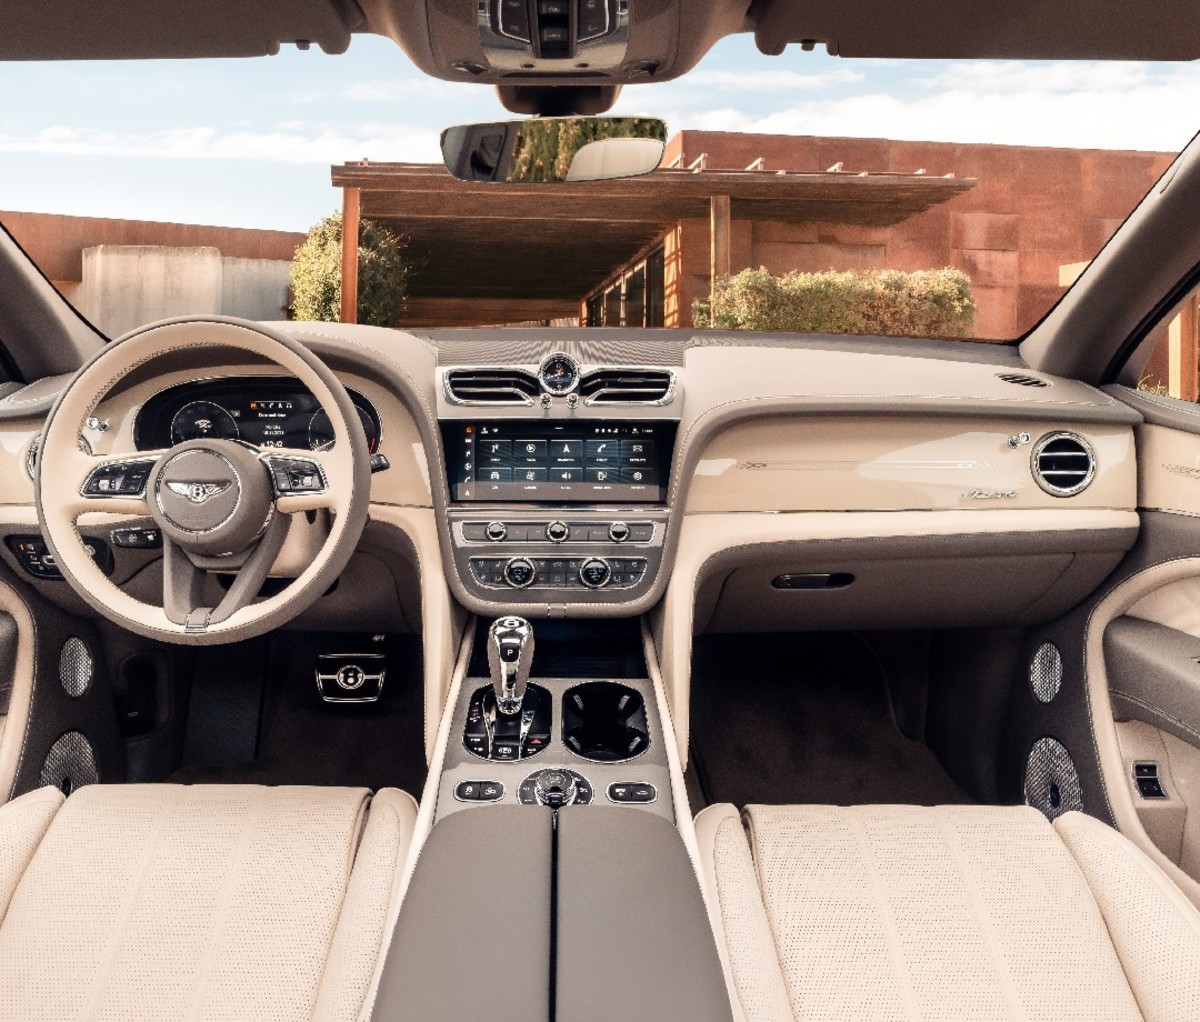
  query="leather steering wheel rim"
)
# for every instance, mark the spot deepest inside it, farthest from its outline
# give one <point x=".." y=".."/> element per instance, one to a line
<point x="64" y="469"/>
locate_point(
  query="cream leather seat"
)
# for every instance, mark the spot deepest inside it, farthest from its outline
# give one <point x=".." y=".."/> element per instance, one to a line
<point x="959" y="913"/>
<point x="163" y="902"/>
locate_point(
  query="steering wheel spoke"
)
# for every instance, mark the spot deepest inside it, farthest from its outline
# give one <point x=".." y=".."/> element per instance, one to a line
<point x="306" y="480"/>
<point x="184" y="581"/>
<point x="114" y="485"/>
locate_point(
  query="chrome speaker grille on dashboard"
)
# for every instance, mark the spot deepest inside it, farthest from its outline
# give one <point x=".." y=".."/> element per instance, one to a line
<point x="1046" y="672"/>
<point x="1051" y="781"/>
<point x="71" y="763"/>
<point x="75" y="667"/>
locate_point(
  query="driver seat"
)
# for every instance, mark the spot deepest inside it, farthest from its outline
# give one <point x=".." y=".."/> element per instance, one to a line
<point x="215" y="902"/>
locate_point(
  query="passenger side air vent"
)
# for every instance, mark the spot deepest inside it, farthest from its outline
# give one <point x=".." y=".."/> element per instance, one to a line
<point x="1063" y="464"/>
<point x="626" y="386"/>
<point x="491" y="387"/>
<point x="1022" y="380"/>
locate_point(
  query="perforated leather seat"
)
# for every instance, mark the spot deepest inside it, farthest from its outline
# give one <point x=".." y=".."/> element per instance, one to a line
<point x="218" y="902"/>
<point x="959" y="913"/>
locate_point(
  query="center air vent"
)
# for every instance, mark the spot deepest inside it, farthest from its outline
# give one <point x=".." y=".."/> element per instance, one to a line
<point x="627" y="386"/>
<point x="1063" y="464"/>
<point x="1022" y="380"/>
<point x="491" y="387"/>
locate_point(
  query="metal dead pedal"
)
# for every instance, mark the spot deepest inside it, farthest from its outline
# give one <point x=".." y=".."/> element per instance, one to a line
<point x="351" y="677"/>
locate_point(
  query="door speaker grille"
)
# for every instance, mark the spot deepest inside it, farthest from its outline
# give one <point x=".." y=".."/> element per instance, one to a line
<point x="75" y="667"/>
<point x="1051" y="781"/>
<point x="71" y="763"/>
<point x="1046" y="672"/>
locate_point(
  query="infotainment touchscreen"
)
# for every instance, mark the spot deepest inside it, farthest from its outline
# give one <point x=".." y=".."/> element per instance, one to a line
<point x="590" y="462"/>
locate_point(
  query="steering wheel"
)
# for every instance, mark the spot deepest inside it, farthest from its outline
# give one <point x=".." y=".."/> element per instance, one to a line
<point x="220" y="505"/>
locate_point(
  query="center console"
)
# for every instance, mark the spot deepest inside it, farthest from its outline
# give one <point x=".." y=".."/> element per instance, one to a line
<point x="539" y="726"/>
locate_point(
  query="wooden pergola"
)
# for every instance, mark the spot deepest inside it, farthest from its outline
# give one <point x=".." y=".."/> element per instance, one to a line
<point x="494" y="253"/>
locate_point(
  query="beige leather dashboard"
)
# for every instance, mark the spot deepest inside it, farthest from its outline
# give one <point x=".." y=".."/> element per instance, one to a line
<point x="905" y="459"/>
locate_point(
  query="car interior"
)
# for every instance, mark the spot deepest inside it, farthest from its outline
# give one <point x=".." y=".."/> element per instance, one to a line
<point x="649" y="674"/>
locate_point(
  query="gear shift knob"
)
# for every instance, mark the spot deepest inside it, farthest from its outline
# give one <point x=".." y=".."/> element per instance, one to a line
<point x="510" y="657"/>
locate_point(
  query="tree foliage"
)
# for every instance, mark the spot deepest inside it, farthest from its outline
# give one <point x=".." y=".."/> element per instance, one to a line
<point x="317" y="274"/>
<point x="925" y="303"/>
<point x="546" y="147"/>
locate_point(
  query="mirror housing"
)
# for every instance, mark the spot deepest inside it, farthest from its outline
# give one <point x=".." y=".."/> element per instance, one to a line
<point x="550" y="150"/>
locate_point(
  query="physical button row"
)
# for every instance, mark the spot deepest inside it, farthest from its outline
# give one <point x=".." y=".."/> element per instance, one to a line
<point x="479" y="791"/>
<point x="589" y="572"/>
<point x="558" y="532"/>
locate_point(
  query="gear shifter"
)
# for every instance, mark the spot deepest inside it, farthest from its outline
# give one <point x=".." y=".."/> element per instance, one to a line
<point x="510" y="657"/>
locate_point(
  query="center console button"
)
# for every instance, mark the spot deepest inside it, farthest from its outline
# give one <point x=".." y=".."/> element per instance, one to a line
<point x="519" y="572"/>
<point x="556" y="532"/>
<point x="595" y="573"/>
<point x="496" y="531"/>
<point x="618" y="532"/>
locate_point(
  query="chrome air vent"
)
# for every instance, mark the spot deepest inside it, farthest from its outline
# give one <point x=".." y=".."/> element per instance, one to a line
<point x="1022" y="380"/>
<point x="491" y="387"/>
<point x="1063" y="464"/>
<point x="627" y="386"/>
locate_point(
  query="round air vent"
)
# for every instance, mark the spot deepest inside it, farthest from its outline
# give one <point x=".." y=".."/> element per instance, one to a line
<point x="1051" y="780"/>
<point x="75" y="667"/>
<point x="1063" y="464"/>
<point x="1046" y="672"/>
<point x="1022" y="380"/>
<point x="71" y="763"/>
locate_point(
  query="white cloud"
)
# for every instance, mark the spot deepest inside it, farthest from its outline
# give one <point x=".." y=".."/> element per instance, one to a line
<point x="769" y="81"/>
<point x="202" y="143"/>
<point x="1117" y="106"/>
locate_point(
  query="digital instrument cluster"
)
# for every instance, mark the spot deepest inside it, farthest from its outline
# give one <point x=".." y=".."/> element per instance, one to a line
<point x="264" y="411"/>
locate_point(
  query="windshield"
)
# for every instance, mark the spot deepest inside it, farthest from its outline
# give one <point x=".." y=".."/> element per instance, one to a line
<point x="941" y="199"/>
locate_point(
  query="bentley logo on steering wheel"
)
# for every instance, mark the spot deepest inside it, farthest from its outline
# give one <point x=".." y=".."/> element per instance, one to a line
<point x="197" y="493"/>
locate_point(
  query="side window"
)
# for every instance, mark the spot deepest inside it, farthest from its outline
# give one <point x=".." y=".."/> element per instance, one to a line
<point x="1173" y="368"/>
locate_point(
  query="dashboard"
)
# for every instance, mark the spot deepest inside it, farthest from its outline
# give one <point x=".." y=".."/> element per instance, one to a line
<point x="264" y="411"/>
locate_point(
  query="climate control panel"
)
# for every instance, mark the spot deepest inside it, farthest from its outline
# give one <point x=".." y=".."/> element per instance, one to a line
<point x="523" y="556"/>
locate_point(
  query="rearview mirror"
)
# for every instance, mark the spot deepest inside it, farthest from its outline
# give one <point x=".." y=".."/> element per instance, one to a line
<point x="553" y="149"/>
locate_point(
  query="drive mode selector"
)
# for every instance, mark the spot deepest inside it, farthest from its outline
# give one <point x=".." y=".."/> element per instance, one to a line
<point x="595" y="572"/>
<point x="519" y="572"/>
<point x="555" y="787"/>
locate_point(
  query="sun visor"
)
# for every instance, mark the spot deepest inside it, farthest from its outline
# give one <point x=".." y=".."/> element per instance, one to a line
<point x="148" y="29"/>
<point x="998" y="29"/>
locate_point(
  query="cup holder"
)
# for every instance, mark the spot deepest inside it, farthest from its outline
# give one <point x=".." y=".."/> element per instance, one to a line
<point x="605" y="722"/>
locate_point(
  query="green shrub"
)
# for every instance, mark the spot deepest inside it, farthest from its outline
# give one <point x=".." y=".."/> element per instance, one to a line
<point x="926" y="303"/>
<point x="317" y="274"/>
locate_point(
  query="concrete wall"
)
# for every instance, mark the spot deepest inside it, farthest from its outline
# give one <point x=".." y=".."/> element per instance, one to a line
<point x="126" y="286"/>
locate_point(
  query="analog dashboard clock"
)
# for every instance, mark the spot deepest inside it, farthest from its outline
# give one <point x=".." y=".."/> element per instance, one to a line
<point x="558" y="374"/>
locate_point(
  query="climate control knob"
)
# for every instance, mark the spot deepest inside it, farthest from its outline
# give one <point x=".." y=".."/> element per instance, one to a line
<point x="519" y="572"/>
<point x="556" y="532"/>
<point x="595" y="572"/>
<point x="496" y="531"/>
<point x="618" y="532"/>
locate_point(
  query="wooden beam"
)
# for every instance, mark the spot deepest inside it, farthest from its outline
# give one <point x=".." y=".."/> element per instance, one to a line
<point x="350" y="221"/>
<point x="1183" y="340"/>
<point x="720" y="235"/>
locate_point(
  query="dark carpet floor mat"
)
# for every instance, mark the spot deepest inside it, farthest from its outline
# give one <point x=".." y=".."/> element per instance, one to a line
<point x="803" y="719"/>
<point x="303" y="740"/>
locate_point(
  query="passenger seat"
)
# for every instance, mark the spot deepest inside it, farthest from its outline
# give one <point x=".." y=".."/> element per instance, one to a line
<point x="962" y="913"/>
<point x="221" y="902"/>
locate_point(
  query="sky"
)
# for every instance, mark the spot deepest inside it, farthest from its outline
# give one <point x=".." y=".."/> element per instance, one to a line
<point x="249" y="143"/>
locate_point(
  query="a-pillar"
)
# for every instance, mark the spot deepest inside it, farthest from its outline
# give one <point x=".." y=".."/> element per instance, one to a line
<point x="350" y="219"/>
<point x="1183" y="338"/>
<point x="720" y="233"/>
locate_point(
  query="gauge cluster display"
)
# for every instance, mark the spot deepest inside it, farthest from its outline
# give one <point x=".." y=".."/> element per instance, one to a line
<point x="264" y="411"/>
